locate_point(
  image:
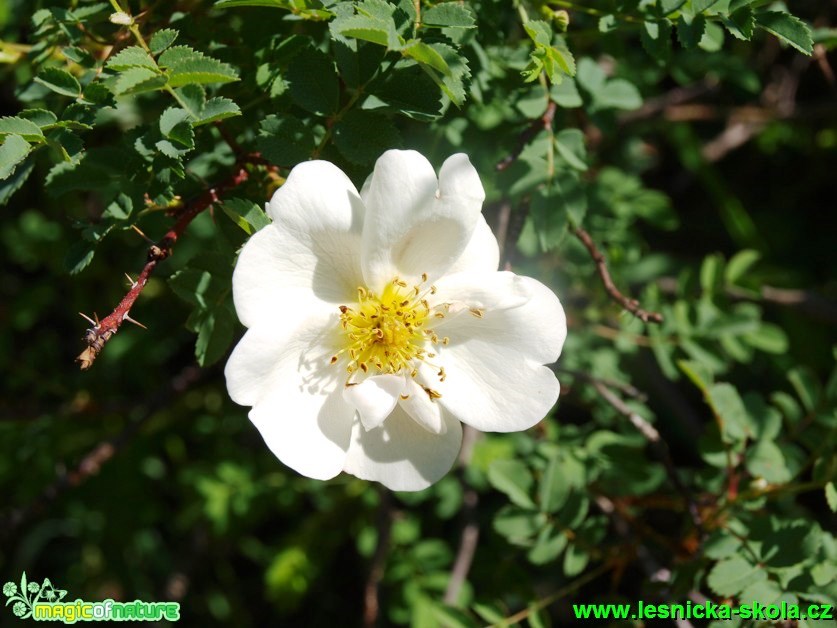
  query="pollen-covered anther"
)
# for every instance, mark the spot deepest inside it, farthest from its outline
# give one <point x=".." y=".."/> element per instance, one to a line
<point x="387" y="332"/>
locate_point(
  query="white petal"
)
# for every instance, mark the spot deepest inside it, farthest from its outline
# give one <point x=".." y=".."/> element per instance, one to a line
<point x="422" y="409"/>
<point x="295" y="392"/>
<point x="415" y="224"/>
<point x="517" y="311"/>
<point x="482" y="253"/>
<point x="309" y="257"/>
<point x="374" y="398"/>
<point x="402" y="455"/>
<point x="495" y="380"/>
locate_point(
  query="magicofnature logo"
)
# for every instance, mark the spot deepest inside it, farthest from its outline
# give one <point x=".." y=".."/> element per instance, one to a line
<point x="43" y="602"/>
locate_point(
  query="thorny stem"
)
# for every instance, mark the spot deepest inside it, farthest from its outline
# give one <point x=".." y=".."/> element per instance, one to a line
<point x="97" y="336"/>
<point x="632" y="305"/>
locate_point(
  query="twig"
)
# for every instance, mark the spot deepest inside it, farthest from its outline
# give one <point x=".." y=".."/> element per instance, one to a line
<point x="371" y="603"/>
<point x="572" y="587"/>
<point x="470" y="535"/>
<point x="627" y="389"/>
<point x="93" y="461"/>
<point x="650" y="433"/>
<point x="535" y="127"/>
<point x="97" y="336"/>
<point x="632" y="305"/>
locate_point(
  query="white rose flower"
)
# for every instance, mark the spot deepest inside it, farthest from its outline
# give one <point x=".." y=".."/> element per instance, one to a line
<point x="377" y="322"/>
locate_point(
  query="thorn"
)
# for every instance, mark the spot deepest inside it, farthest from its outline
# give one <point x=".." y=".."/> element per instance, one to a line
<point x="88" y="319"/>
<point x="131" y="320"/>
<point x="144" y="237"/>
<point x="130" y="281"/>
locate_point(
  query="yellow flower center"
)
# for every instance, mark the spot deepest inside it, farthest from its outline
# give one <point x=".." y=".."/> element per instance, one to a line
<point x="389" y="332"/>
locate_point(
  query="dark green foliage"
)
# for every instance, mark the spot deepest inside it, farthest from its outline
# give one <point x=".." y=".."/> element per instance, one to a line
<point x="692" y="139"/>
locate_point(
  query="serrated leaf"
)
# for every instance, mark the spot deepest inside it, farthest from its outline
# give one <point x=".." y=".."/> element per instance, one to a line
<point x="450" y="15"/>
<point x="570" y="145"/>
<point x="79" y="256"/>
<point x="788" y="28"/>
<point x="246" y="214"/>
<point x="285" y="141"/>
<point x="690" y="30"/>
<point x="205" y="70"/>
<point x="13" y="183"/>
<point x="13" y="151"/>
<point x="732" y="575"/>
<point x="138" y="80"/>
<point x="27" y="129"/>
<point x="741" y="23"/>
<point x="423" y="53"/>
<point x="410" y="91"/>
<point x="59" y="81"/>
<point x="194" y="99"/>
<point x="41" y="117"/>
<point x="217" y="108"/>
<point x="79" y="55"/>
<point x="131" y="57"/>
<point x="513" y="478"/>
<point x="453" y="84"/>
<point x="313" y="82"/>
<point x="162" y="39"/>
<point x="215" y="333"/>
<point x="362" y="136"/>
<point x="539" y="32"/>
<point x="175" y="125"/>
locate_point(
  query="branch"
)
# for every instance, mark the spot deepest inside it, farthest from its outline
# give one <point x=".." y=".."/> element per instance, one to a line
<point x="650" y="433"/>
<point x="470" y="535"/>
<point x="371" y="603"/>
<point x="97" y="336"/>
<point x="632" y="305"/>
<point x="536" y="126"/>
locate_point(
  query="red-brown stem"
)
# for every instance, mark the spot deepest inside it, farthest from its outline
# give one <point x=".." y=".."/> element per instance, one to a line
<point x="97" y="336"/>
<point x="632" y="305"/>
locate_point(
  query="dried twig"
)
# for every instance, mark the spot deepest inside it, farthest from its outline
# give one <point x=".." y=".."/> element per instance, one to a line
<point x="97" y="336"/>
<point x="632" y="305"/>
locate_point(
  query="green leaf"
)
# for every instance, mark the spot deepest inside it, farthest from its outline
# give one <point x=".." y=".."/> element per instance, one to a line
<point x="410" y="91"/>
<point x="740" y="263"/>
<point x="27" y="129"/>
<point x="570" y="145"/>
<point x="729" y="408"/>
<point x="131" y="57"/>
<point x="548" y="545"/>
<point x="285" y="141"/>
<point x="768" y="337"/>
<point x="215" y="333"/>
<point x="732" y="575"/>
<point x="427" y="55"/>
<point x="374" y="22"/>
<point x="138" y="80"/>
<point x="185" y="65"/>
<point x="788" y="28"/>
<point x="14" y="182"/>
<point x="575" y="560"/>
<point x="831" y="496"/>
<point x="517" y="525"/>
<point x="313" y="82"/>
<point x="453" y="85"/>
<point x="175" y="126"/>
<point x="217" y="108"/>
<point x="539" y="32"/>
<point x="79" y="256"/>
<point x="765" y="460"/>
<point x="513" y="478"/>
<point x="41" y="117"/>
<point x="59" y="81"/>
<point x="554" y="489"/>
<point x="448" y="14"/>
<point x="807" y="387"/>
<point x="162" y="39"/>
<point x="13" y="151"/>
<point x="246" y="214"/>
<point x="690" y="30"/>
<point x="741" y="23"/>
<point x="362" y="136"/>
<point x="656" y="39"/>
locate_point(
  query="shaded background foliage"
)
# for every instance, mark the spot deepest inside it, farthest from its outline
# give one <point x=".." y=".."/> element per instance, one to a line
<point x="694" y="141"/>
